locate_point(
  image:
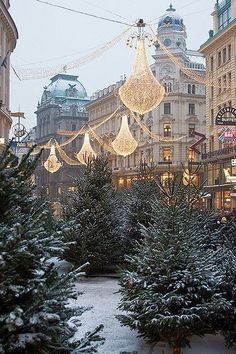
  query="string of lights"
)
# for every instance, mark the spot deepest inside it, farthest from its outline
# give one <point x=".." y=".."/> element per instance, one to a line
<point x="101" y="141"/>
<point x="202" y="79"/>
<point x="43" y="72"/>
<point x="154" y="136"/>
<point x="65" y="157"/>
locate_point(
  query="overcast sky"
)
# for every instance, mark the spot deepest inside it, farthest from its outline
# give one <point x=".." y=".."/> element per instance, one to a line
<point x="49" y="36"/>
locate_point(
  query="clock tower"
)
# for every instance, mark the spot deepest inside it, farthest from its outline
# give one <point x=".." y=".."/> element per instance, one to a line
<point x="171" y="30"/>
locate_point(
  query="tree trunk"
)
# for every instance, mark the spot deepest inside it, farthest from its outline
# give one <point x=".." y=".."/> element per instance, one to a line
<point x="177" y="350"/>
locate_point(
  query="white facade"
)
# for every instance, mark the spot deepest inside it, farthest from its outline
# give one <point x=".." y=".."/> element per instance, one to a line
<point x="181" y="112"/>
<point x="8" y="38"/>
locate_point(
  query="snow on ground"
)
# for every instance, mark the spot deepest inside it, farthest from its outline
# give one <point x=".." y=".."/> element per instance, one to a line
<point x="101" y="292"/>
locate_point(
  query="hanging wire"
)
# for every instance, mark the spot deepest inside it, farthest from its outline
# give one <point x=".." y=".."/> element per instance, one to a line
<point x="106" y="10"/>
<point x="83" y="13"/>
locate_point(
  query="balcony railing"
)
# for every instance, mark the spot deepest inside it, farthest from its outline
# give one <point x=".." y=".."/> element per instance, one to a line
<point x="225" y="152"/>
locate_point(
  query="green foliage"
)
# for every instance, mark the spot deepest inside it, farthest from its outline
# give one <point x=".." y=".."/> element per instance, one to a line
<point x="171" y="289"/>
<point x="34" y="312"/>
<point x="93" y="215"/>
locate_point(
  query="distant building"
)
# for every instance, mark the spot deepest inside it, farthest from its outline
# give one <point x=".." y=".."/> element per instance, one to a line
<point x="220" y="53"/>
<point x="62" y="107"/>
<point x="8" y="38"/>
<point x="181" y="112"/>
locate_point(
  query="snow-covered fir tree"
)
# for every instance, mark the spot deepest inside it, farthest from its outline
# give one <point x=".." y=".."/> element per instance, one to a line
<point x="93" y="212"/>
<point x="34" y="314"/>
<point x="170" y="289"/>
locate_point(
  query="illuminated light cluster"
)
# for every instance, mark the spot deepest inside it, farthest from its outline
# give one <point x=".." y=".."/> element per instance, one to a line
<point x="141" y="92"/>
<point x="124" y="143"/>
<point x="52" y="164"/>
<point x="65" y="157"/>
<point x="189" y="178"/>
<point x="86" y="153"/>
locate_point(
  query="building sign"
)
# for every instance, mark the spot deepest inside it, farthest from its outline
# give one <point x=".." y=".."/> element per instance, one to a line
<point x="227" y="134"/>
<point x="226" y="116"/>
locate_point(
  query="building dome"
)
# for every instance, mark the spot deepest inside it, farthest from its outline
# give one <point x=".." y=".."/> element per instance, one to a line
<point x="64" y="86"/>
<point x="171" y="19"/>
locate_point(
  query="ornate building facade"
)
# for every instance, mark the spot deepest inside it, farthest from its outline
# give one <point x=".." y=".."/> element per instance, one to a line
<point x="8" y="39"/>
<point x="62" y="107"/>
<point x="177" y="117"/>
<point x="220" y="53"/>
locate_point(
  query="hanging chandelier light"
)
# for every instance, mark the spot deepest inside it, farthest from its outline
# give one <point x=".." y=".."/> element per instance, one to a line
<point x="52" y="164"/>
<point x="124" y="143"/>
<point x="141" y="92"/>
<point x="86" y="153"/>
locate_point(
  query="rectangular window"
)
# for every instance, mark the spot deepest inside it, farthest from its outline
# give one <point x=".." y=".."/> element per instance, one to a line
<point x="212" y="92"/>
<point x="166" y="153"/>
<point x="224" y="55"/>
<point x="219" y="86"/>
<point x="212" y="116"/>
<point x="191" y="130"/>
<point x="73" y="127"/>
<point x="212" y="143"/>
<point x="224" y="82"/>
<point x="229" y="52"/>
<point x="191" y="109"/>
<point x="219" y="58"/>
<point x="167" y="108"/>
<point x="229" y="78"/>
<point x="167" y="130"/>
<point x="212" y="63"/>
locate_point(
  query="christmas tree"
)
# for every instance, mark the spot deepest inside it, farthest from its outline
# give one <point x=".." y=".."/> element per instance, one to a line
<point x="92" y="212"/>
<point x="170" y="290"/>
<point x="34" y="312"/>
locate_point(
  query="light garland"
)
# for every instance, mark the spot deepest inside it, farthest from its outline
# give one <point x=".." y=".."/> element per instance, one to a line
<point x="202" y="79"/>
<point x="65" y="157"/>
<point x="141" y="92"/>
<point x="86" y="153"/>
<point x="43" y="72"/>
<point x="101" y="142"/>
<point x="124" y="143"/>
<point x="154" y="136"/>
<point x="52" y="164"/>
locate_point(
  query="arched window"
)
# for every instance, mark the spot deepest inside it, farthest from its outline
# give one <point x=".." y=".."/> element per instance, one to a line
<point x="193" y="89"/>
<point x="165" y="86"/>
<point x="189" y="88"/>
<point x="169" y="87"/>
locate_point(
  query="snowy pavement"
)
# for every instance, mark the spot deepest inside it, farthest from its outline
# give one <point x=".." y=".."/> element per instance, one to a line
<point x="101" y="293"/>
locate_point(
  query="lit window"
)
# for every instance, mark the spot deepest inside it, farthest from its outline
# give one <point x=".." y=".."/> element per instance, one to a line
<point x="72" y="189"/>
<point x="167" y="153"/>
<point x="166" y="177"/>
<point x="167" y="130"/>
<point x="121" y="182"/>
<point x="191" y="155"/>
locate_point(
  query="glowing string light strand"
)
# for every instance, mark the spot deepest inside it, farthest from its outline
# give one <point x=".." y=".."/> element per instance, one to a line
<point x="43" y="72"/>
<point x="101" y="142"/>
<point x="65" y="157"/>
<point x="153" y="135"/>
<point x="202" y="79"/>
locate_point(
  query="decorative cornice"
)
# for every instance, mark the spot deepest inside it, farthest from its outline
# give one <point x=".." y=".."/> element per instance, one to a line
<point x="7" y="20"/>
